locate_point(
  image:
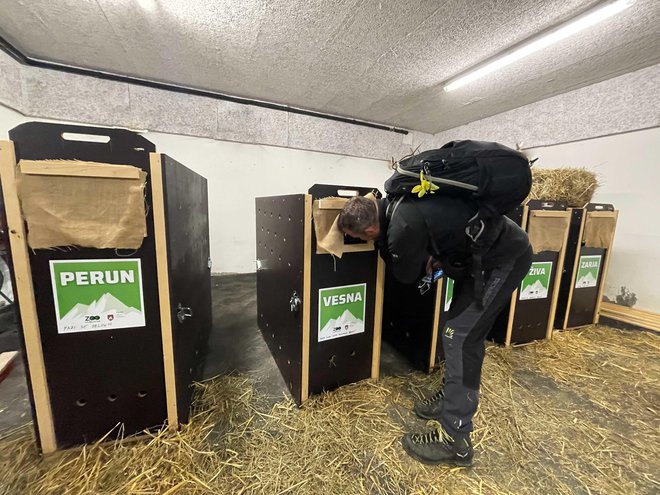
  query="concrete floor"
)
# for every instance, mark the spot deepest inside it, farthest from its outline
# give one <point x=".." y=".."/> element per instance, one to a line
<point x="235" y="344"/>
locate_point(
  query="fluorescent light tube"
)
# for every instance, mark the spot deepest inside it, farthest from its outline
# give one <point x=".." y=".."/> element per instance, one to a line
<point x="561" y="32"/>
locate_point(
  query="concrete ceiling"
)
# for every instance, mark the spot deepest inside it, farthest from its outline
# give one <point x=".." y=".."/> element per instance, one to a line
<point x="377" y="60"/>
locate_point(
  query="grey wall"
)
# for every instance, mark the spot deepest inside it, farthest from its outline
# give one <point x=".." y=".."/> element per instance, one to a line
<point x="58" y="95"/>
<point x="621" y="104"/>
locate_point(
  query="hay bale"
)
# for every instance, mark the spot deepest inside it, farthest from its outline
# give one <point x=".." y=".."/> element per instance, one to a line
<point x="575" y="186"/>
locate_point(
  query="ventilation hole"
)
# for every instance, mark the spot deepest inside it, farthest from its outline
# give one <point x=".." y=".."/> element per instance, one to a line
<point x="275" y="234"/>
<point x="261" y="315"/>
<point x="288" y="361"/>
<point x="279" y="258"/>
<point x="279" y="347"/>
<point x="279" y="217"/>
<point x="271" y="213"/>
<point x="81" y="402"/>
<point x="191" y="371"/>
<point x="289" y="218"/>
<point x="284" y="239"/>
<point x="142" y="394"/>
<point x="266" y="324"/>
<point x="112" y="398"/>
<point x="288" y="263"/>
<point x="352" y="354"/>
<point x="272" y="335"/>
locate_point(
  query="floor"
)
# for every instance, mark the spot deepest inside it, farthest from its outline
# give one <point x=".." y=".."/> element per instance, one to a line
<point x="576" y="414"/>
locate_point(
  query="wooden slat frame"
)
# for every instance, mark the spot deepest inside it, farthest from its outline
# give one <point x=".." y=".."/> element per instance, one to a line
<point x="351" y="248"/>
<point x="632" y="316"/>
<point x="576" y="262"/>
<point x="558" y="273"/>
<point x="436" y="322"/>
<point x="306" y="298"/>
<point x="608" y="255"/>
<point x="27" y="305"/>
<point x="378" y="318"/>
<point x="73" y="168"/>
<point x="160" y="235"/>
<point x="514" y="296"/>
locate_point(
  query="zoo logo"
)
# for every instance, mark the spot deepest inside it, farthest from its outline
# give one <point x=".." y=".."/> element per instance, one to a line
<point x="92" y="318"/>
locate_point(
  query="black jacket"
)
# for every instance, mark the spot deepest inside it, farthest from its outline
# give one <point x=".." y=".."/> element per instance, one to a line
<point x="412" y="229"/>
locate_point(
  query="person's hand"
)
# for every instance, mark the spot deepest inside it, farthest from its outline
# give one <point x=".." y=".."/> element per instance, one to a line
<point x="431" y="265"/>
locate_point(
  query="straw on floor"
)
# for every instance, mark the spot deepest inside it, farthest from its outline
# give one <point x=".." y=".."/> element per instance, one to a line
<point x="575" y="186"/>
<point x="546" y="424"/>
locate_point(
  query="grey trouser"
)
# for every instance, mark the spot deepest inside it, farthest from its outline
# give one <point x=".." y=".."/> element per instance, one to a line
<point x="463" y="340"/>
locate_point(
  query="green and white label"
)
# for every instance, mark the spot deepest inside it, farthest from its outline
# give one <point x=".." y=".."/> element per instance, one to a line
<point x="536" y="283"/>
<point x="587" y="275"/>
<point x="92" y="295"/>
<point x="341" y="311"/>
<point x="449" y="293"/>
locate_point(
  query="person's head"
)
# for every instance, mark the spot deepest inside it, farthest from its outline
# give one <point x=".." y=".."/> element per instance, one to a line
<point x="359" y="218"/>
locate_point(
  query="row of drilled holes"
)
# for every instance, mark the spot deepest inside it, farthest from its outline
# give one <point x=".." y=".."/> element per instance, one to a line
<point x="111" y="398"/>
<point x="331" y="359"/>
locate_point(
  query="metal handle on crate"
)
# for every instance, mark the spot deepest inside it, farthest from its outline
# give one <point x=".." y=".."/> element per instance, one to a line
<point x="183" y="313"/>
<point x="294" y="302"/>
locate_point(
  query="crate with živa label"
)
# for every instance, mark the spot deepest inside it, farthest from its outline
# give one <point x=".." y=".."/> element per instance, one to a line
<point x="112" y="280"/>
<point x="531" y="312"/>
<point x="319" y="313"/>
<point x="587" y="258"/>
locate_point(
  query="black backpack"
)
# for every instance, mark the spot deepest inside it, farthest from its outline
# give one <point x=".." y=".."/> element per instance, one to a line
<point x="496" y="177"/>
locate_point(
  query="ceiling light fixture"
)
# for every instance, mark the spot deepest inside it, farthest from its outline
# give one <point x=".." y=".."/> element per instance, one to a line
<point x="559" y="33"/>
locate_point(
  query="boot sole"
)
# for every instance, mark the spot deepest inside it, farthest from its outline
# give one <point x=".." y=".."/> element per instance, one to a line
<point x="427" y="417"/>
<point x="429" y="462"/>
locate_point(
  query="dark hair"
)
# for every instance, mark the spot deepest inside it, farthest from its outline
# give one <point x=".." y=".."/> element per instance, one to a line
<point x="358" y="214"/>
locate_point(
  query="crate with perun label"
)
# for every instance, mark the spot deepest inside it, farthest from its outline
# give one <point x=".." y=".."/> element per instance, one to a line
<point x="531" y="312"/>
<point x="590" y="242"/>
<point x="319" y="293"/>
<point x="109" y="254"/>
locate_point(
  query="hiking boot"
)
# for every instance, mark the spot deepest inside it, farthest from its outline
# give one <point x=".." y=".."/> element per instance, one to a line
<point x="431" y="407"/>
<point x="438" y="447"/>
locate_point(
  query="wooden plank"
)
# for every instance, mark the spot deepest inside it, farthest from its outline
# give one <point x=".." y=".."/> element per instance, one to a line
<point x="7" y="360"/>
<point x="306" y="298"/>
<point x="436" y="322"/>
<point x="351" y="248"/>
<point x="74" y="168"/>
<point x="331" y="203"/>
<point x="632" y="316"/>
<point x="378" y="318"/>
<point x="608" y="255"/>
<point x="514" y="296"/>
<point x="558" y="272"/>
<point x="576" y="262"/>
<point x="603" y="214"/>
<point x="25" y="297"/>
<point x="160" y="235"/>
<point x="548" y="213"/>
